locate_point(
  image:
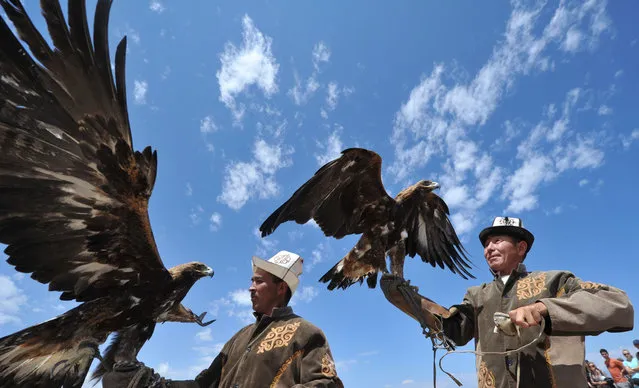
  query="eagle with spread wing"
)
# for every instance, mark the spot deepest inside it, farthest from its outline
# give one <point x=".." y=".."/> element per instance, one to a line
<point x="74" y="200"/>
<point x="346" y="196"/>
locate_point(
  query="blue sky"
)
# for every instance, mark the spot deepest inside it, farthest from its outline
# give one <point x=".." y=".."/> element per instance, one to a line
<point x="525" y="109"/>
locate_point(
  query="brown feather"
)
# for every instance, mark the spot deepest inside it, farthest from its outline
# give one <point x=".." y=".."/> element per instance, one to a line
<point x="342" y="196"/>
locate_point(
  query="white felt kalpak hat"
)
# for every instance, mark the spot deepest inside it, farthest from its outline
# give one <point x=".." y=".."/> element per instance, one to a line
<point x="285" y="265"/>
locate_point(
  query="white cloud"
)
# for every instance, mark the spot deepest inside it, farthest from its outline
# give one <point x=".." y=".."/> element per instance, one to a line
<point x="19" y="276"/>
<point x="331" y="149"/>
<point x="251" y="64"/>
<point x="241" y="297"/>
<point x="270" y="157"/>
<point x="344" y="365"/>
<point x="11" y="301"/>
<point x="629" y="139"/>
<point x="318" y="255"/>
<point x="604" y="110"/>
<point x="139" y="91"/>
<point x="618" y="73"/>
<point x="156" y="6"/>
<point x="304" y="295"/>
<point x="204" y="335"/>
<point x="321" y="54"/>
<point x="207" y="125"/>
<point x="301" y="93"/>
<point x="304" y="90"/>
<point x="332" y="95"/>
<point x="266" y="246"/>
<point x="246" y="180"/>
<point x="215" y="222"/>
<point x="189" y="189"/>
<point x="583" y="182"/>
<point x="408" y="381"/>
<point x="573" y="40"/>
<point x="236" y="304"/>
<point x="196" y="214"/>
<point x="436" y="116"/>
<point x="537" y="168"/>
<point x="519" y="188"/>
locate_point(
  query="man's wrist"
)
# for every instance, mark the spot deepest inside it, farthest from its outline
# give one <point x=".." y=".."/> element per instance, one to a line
<point x="542" y="309"/>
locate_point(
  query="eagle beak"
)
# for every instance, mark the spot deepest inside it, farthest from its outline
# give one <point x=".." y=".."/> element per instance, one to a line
<point x="434" y="185"/>
<point x="209" y="272"/>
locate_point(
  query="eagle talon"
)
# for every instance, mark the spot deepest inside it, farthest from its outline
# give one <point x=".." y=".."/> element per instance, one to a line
<point x="406" y="284"/>
<point x="199" y="320"/>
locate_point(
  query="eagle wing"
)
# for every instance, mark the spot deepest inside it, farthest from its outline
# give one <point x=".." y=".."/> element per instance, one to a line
<point x="430" y="233"/>
<point x="337" y="196"/>
<point x="73" y="192"/>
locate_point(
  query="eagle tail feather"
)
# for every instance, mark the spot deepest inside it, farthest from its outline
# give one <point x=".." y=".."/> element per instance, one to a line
<point x="352" y="269"/>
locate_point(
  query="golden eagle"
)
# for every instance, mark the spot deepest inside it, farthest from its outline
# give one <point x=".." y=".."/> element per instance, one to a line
<point x="74" y="200"/>
<point x="346" y="196"/>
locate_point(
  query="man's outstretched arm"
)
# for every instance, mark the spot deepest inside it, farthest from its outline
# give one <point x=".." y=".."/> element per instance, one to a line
<point x="141" y="376"/>
<point x="457" y="323"/>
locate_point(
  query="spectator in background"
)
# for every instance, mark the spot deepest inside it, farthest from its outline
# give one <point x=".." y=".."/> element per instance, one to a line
<point x="632" y="365"/>
<point x="616" y="369"/>
<point x="596" y="378"/>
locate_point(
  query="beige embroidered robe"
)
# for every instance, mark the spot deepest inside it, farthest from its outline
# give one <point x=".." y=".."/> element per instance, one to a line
<point x="282" y="350"/>
<point x="575" y="309"/>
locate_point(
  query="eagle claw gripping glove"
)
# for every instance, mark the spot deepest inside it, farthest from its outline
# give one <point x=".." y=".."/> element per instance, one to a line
<point x="402" y="295"/>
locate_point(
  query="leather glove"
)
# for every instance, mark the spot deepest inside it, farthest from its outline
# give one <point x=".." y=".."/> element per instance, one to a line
<point x="132" y="375"/>
<point x="428" y="312"/>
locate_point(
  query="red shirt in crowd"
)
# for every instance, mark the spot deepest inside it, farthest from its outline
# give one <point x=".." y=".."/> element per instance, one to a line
<point x="616" y="368"/>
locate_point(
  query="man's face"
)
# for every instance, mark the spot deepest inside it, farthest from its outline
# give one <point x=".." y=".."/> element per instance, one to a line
<point x="265" y="293"/>
<point x="502" y="254"/>
<point x="626" y="353"/>
<point x="605" y="355"/>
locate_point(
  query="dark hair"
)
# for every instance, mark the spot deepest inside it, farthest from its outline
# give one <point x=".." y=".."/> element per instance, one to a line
<point x="289" y="294"/>
<point x="603" y="350"/>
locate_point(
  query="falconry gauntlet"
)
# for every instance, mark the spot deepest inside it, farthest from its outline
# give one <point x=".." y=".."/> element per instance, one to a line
<point x="406" y="298"/>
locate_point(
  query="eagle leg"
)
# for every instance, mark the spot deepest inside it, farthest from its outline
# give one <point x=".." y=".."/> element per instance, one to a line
<point x="199" y="318"/>
<point x="406" y="283"/>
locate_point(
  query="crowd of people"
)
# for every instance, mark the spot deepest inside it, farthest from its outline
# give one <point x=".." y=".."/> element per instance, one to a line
<point x="623" y="371"/>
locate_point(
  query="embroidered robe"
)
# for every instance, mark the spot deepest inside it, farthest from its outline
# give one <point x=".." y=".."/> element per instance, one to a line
<point x="575" y="309"/>
<point x="282" y="350"/>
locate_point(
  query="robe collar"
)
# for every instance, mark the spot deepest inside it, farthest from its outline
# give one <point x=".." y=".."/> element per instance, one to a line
<point x="277" y="313"/>
<point x="521" y="269"/>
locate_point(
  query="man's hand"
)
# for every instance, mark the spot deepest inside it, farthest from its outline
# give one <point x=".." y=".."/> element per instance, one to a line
<point x="528" y="316"/>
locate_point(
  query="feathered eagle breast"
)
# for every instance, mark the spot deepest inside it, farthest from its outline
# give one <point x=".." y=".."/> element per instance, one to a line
<point x="74" y="200"/>
<point x="346" y="196"/>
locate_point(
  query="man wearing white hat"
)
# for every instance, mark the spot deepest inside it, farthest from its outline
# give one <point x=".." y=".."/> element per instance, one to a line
<point x="280" y="349"/>
<point x="568" y="307"/>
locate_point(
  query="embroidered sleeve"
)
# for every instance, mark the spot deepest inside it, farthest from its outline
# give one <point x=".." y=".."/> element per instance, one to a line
<point x="588" y="308"/>
<point x="317" y="366"/>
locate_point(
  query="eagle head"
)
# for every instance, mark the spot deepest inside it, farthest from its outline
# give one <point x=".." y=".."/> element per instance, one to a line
<point x="195" y="270"/>
<point x="429" y="184"/>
